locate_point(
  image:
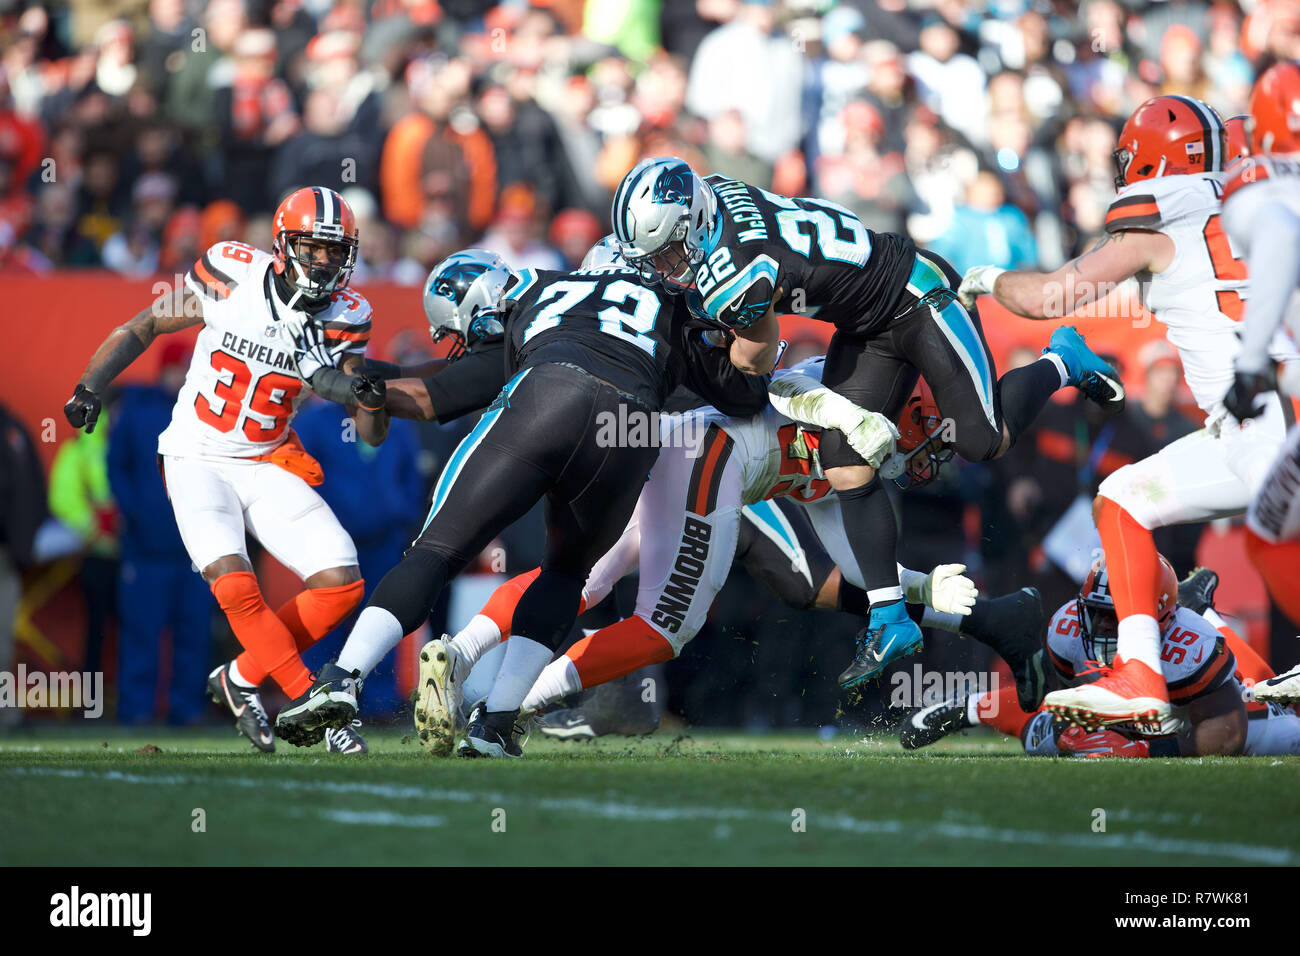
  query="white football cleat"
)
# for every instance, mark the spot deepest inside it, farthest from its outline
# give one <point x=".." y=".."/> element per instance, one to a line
<point x="437" y="701"/>
<point x="1282" y="689"/>
<point x="1130" y="694"/>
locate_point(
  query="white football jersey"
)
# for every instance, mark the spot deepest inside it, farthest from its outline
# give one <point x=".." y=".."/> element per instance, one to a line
<point x="779" y="457"/>
<point x="242" y="389"/>
<point x="1194" y="657"/>
<point x="1199" y="297"/>
<point x="1255" y="188"/>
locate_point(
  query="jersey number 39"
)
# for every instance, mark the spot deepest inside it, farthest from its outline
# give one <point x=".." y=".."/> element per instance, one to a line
<point x="272" y="397"/>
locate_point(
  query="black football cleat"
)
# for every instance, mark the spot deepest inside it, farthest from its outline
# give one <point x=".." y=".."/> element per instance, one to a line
<point x="331" y="702"/>
<point x="925" y="725"/>
<point x="491" y="734"/>
<point x="1014" y="626"/>
<point x="346" y="740"/>
<point x="615" y="708"/>
<point x="1196" y="591"/>
<point x="246" y="704"/>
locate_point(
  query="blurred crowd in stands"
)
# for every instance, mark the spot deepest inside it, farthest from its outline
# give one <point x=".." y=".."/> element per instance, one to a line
<point x="135" y="133"/>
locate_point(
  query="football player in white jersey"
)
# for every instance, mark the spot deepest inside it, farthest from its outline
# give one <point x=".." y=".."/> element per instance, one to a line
<point x="1164" y="229"/>
<point x="273" y="325"/>
<point x="1261" y="214"/>
<point x="1207" y="666"/>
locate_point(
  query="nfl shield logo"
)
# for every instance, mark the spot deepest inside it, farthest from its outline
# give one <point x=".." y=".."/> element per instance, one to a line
<point x="272" y="331"/>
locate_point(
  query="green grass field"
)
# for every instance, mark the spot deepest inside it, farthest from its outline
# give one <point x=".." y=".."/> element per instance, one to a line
<point x="702" y="798"/>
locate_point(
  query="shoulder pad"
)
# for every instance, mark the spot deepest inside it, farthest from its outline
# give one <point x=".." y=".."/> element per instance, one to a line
<point x="347" y="319"/>
<point x="220" y="270"/>
<point x="1154" y="203"/>
<point x="1246" y="172"/>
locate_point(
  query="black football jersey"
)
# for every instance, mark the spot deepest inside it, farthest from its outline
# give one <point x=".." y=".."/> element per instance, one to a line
<point x="471" y="382"/>
<point x="603" y="320"/>
<point x="826" y="263"/>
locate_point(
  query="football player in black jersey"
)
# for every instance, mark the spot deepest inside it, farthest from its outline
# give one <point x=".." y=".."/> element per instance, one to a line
<point x="574" y="352"/>
<point x="744" y="256"/>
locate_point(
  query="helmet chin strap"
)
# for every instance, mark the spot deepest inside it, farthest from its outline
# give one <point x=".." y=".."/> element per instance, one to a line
<point x="293" y="297"/>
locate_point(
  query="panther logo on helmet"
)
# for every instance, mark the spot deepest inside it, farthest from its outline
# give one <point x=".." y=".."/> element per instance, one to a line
<point x="673" y="185"/>
<point x="461" y="297"/>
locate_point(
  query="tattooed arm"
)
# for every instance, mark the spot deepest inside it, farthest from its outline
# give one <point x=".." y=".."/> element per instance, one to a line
<point x="124" y="345"/>
<point x="127" y="342"/>
<point x="1093" y="275"/>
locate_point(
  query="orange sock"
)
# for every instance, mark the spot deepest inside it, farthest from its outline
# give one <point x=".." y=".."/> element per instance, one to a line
<point x="501" y="605"/>
<point x="1002" y="712"/>
<point x="1279" y="566"/>
<point x="261" y="633"/>
<point x="1132" y="564"/>
<point x="309" y="615"/>
<point x="619" y="649"/>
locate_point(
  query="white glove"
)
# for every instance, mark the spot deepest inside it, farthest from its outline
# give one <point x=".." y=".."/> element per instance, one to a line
<point x="804" y="399"/>
<point x="873" y="437"/>
<point x="946" y="589"/>
<point x="977" y="281"/>
<point x="311" y="351"/>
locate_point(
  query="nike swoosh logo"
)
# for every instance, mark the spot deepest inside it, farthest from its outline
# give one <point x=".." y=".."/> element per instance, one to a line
<point x="239" y="711"/>
<point x="1199" y="655"/>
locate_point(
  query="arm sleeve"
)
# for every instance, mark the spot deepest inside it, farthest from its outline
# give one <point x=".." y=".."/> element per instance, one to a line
<point x="804" y="399"/>
<point x="468" y="384"/>
<point x="710" y="375"/>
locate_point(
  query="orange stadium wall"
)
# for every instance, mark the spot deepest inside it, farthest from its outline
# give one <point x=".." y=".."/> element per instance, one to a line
<point x="66" y="315"/>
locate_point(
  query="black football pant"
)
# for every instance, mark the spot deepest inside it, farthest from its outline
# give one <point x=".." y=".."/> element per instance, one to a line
<point x="547" y="435"/>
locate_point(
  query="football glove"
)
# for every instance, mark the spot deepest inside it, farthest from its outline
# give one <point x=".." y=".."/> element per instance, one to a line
<point x="947" y="590"/>
<point x="83" y="408"/>
<point x="1077" y="742"/>
<point x="977" y="281"/>
<point x="1241" y="400"/>
<point x="311" y="350"/>
<point x="873" y="437"/>
<point x="369" y="393"/>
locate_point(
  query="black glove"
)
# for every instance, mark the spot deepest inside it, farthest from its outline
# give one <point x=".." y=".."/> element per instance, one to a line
<point x="1240" y="400"/>
<point x="82" y="410"/>
<point x="369" y="393"/>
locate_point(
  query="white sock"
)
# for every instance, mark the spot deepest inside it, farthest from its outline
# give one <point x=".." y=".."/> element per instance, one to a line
<point x="973" y="703"/>
<point x="1139" y="640"/>
<point x="483" y="675"/>
<point x="239" y="679"/>
<point x="885" y="595"/>
<point x="559" y="678"/>
<point x="943" y="620"/>
<point x="376" y="633"/>
<point x="475" y="638"/>
<point x="524" y="662"/>
<point x="1060" y="366"/>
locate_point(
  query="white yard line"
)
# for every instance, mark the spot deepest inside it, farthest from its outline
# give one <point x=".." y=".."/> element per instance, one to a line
<point x="1140" y="840"/>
